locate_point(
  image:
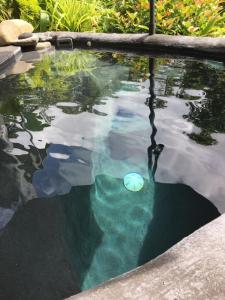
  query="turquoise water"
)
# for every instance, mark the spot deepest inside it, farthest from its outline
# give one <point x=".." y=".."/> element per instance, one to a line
<point x="72" y="126"/>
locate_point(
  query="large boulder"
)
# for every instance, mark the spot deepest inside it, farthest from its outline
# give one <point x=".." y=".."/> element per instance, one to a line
<point x="10" y="30"/>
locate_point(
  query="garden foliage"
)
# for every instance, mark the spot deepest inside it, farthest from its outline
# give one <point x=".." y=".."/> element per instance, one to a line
<point x="186" y="17"/>
<point x="191" y="17"/>
<point x="7" y="9"/>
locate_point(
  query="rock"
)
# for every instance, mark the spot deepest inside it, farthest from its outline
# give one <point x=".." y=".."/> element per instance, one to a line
<point x="10" y="30"/>
<point x="32" y="41"/>
<point x="43" y="46"/>
<point x="20" y="67"/>
<point x="25" y="35"/>
<point x="44" y="36"/>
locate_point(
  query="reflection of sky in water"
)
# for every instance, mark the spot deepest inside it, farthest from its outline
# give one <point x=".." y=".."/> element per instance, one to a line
<point x="106" y="145"/>
<point x="113" y="141"/>
<point x="114" y="152"/>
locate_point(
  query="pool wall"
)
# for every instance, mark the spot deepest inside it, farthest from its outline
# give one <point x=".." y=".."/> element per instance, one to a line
<point x="192" y="269"/>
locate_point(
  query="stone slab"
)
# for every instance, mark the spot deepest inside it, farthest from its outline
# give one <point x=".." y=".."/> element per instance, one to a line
<point x="192" y="269"/>
<point x="9" y="55"/>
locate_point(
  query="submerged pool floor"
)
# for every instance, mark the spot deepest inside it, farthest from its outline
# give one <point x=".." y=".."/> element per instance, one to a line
<point x="72" y="126"/>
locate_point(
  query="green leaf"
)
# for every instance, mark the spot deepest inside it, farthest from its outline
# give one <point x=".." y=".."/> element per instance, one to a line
<point x="209" y="26"/>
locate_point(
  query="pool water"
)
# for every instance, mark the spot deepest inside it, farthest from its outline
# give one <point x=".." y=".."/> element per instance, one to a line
<point x="74" y="129"/>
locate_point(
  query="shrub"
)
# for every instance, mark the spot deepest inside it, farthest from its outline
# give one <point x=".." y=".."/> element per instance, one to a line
<point x="126" y="16"/>
<point x="186" y="17"/>
<point x="68" y="15"/>
<point x="7" y="9"/>
<point x="30" y="11"/>
<point x="76" y="15"/>
<point x="191" y="17"/>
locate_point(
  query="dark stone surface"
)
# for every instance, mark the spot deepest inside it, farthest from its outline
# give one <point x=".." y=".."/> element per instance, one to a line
<point x="25" y="35"/>
<point x="8" y="55"/>
<point x="27" y="42"/>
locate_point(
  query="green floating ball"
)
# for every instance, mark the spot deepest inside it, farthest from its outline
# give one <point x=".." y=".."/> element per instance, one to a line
<point x="133" y="182"/>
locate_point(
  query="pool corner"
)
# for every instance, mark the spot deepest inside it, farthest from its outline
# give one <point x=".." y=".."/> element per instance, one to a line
<point x="192" y="269"/>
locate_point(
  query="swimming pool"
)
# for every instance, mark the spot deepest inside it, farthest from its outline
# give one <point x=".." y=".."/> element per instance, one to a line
<point x="73" y="126"/>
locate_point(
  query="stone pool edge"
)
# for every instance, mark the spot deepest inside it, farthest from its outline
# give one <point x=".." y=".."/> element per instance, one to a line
<point x="194" y="268"/>
<point x="157" y="44"/>
<point x="9" y="55"/>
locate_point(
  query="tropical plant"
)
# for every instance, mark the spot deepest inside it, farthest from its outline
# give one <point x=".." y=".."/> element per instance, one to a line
<point x="125" y="16"/>
<point x="74" y="15"/>
<point x="7" y="9"/>
<point x="187" y="17"/>
<point x="29" y="11"/>
<point x="191" y="17"/>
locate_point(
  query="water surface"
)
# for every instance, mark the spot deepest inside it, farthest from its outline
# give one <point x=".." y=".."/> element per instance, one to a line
<point x="72" y="126"/>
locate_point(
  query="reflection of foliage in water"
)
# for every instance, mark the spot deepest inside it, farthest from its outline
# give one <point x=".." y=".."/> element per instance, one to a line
<point x="82" y="77"/>
<point x="159" y="103"/>
<point x="206" y="111"/>
<point x="52" y="78"/>
<point x="208" y="114"/>
<point x="138" y="66"/>
<point x="29" y="95"/>
<point x="86" y="79"/>
<point x="49" y="82"/>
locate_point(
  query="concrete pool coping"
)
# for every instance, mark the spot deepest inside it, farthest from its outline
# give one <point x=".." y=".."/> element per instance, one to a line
<point x="194" y="268"/>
